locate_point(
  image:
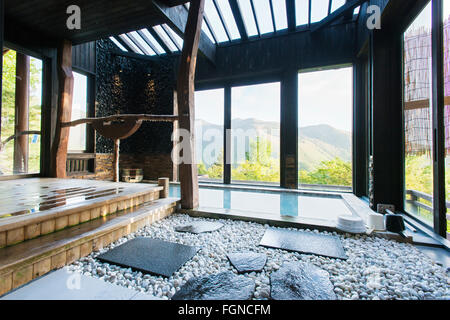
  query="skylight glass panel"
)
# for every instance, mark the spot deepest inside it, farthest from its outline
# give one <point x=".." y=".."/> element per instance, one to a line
<point x="247" y="15"/>
<point x="301" y="12"/>
<point x="206" y="30"/>
<point x="163" y="35"/>
<point x="262" y="9"/>
<point x="138" y="40"/>
<point x="174" y="35"/>
<point x="279" y="11"/>
<point x="153" y="41"/>
<point x="130" y="43"/>
<point x="117" y="43"/>
<point x="229" y="19"/>
<point x="336" y="4"/>
<point x="356" y="11"/>
<point x="214" y="20"/>
<point x="319" y="10"/>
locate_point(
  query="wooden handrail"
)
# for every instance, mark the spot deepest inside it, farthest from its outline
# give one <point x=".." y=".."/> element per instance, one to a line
<point x="421" y="195"/>
<point x="137" y="117"/>
<point x="14" y="136"/>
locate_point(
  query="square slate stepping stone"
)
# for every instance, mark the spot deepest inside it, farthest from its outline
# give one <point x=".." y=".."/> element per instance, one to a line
<point x="304" y="242"/>
<point x="247" y="261"/>
<point x="153" y="256"/>
<point x="200" y="227"/>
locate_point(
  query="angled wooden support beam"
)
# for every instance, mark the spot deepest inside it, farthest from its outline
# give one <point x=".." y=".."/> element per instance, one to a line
<point x="349" y="14"/>
<point x="290" y="10"/>
<point x="64" y="113"/>
<point x="349" y="6"/>
<point x="238" y="18"/>
<point x="186" y="105"/>
<point x="176" y="18"/>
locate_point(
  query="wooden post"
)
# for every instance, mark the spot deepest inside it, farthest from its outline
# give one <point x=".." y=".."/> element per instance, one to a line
<point x="165" y="183"/>
<point x="116" y="159"/>
<point x="185" y="90"/>
<point x="21" y="114"/>
<point x="65" y="75"/>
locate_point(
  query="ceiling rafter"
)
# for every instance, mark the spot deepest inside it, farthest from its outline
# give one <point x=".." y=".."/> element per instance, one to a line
<point x="149" y="42"/>
<point x="309" y="13"/>
<point x="222" y="19"/>
<point x="290" y="11"/>
<point x="124" y="44"/>
<point x="255" y="17"/>
<point x="171" y="37"/>
<point x="236" y="10"/>
<point x="162" y="42"/>
<point x="210" y="28"/>
<point x="139" y="45"/>
<point x="272" y="14"/>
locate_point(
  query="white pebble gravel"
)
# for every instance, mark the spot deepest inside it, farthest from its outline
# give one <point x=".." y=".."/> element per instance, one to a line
<point x="376" y="268"/>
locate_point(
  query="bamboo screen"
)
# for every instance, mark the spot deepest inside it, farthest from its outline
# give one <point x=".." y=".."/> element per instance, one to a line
<point x="417" y="91"/>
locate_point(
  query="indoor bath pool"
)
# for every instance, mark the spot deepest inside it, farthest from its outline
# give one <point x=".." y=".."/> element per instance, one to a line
<point x="270" y="204"/>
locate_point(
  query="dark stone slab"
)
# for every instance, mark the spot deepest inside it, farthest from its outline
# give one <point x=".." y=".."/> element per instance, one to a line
<point x="222" y="286"/>
<point x="301" y="281"/>
<point x="247" y="261"/>
<point x="304" y="242"/>
<point x="150" y="256"/>
<point x="200" y="227"/>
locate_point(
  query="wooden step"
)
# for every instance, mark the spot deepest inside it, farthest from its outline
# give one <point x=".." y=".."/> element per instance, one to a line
<point x="30" y="208"/>
<point x="23" y="262"/>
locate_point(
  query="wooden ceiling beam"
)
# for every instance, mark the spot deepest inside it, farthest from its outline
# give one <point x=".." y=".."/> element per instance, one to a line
<point x="349" y="6"/>
<point x="176" y="18"/>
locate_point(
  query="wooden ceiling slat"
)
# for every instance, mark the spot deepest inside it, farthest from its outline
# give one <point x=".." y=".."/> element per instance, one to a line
<point x="99" y="18"/>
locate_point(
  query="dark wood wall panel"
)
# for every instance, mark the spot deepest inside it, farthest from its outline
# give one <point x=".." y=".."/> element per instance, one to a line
<point x="272" y="56"/>
<point x="83" y="57"/>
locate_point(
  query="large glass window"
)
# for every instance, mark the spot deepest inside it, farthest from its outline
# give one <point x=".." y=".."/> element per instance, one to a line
<point x="255" y="133"/>
<point x="325" y="120"/>
<point x="209" y="114"/>
<point x="418" y="117"/>
<point x="77" y="137"/>
<point x="20" y="138"/>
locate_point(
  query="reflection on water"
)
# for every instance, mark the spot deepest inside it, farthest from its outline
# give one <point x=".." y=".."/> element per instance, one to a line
<point x="270" y="203"/>
<point x="49" y="199"/>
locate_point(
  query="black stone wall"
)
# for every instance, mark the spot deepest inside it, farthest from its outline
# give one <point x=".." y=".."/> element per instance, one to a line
<point x="129" y="86"/>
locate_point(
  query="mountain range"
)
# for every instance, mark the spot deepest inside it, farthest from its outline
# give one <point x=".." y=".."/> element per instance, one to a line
<point x="316" y="143"/>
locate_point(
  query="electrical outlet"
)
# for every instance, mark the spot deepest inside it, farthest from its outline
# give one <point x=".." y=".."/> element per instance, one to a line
<point x="381" y="208"/>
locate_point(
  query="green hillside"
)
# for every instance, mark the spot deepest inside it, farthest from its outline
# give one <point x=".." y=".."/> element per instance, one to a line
<point x="316" y="143"/>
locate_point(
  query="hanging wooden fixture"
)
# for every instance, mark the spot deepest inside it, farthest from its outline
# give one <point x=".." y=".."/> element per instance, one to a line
<point x="119" y="127"/>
